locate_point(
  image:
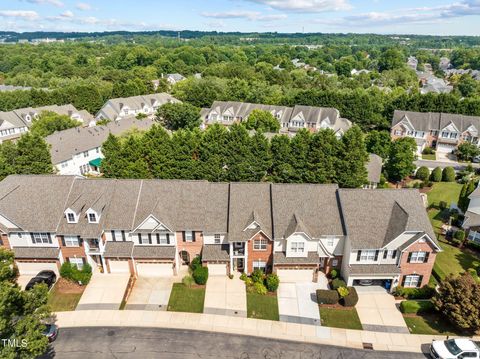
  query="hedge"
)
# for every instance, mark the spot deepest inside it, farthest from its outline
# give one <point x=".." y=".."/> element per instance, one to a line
<point x="195" y="263"/>
<point x="71" y="272"/>
<point x="436" y="175"/>
<point x="337" y="283"/>
<point x="448" y="174"/>
<point x="425" y="292"/>
<point x="351" y="299"/>
<point x="200" y="275"/>
<point x="272" y="282"/>
<point x="327" y="296"/>
<point x="416" y="306"/>
<point x="423" y="173"/>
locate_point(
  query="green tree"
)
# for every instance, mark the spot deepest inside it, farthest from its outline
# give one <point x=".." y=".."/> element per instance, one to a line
<point x="457" y="300"/>
<point x="282" y="170"/>
<point x="400" y="159"/>
<point x="175" y="116"/>
<point x="436" y="175"/>
<point x="351" y="170"/>
<point x="156" y="150"/>
<point x="213" y="154"/>
<point x="423" y="173"/>
<point x="261" y="158"/>
<point x="324" y="152"/>
<point x="7" y="272"/>
<point x="50" y="122"/>
<point x="378" y="142"/>
<point x="448" y="174"/>
<point x="262" y="121"/>
<point x="391" y="59"/>
<point x="467" y="151"/>
<point x="33" y="155"/>
<point x="113" y="163"/>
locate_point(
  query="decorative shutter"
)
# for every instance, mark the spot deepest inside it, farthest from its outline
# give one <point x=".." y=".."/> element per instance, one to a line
<point x="49" y="238"/>
<point x="62" y="239"/>
<point x="420" y="279"/>
<point x="139" y="235"/>
<point x="409" y="257"/>
<point x="193" y="236"/>
<point x="394" y="255"/>
<point x="123" y="236"/>
<point x="80" y="241"/>
<point x="385" y="252"/>
<point x="84" y="260"/>
<point x="183" y="236"/>
<point x="359" y="253"/>
<point x="376" y="255"/>
<point x="149" y="238"/>
<point x="403" y="280"/>
<point x="113" y="236"/>
<point x="168" y="238"/>
<point x="426" y="257"/>
<point x="31" y="236"/>
<point x="157" y="236"/>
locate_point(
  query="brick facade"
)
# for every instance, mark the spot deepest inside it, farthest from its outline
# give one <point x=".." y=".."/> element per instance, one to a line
<point x="193" y="248"/>
<point x="69" y="252"/>
<point x="264" y="255"/>
<point x="328" y="264"/>
<point x="423" y="269"/>
<point x="4" y="241"/>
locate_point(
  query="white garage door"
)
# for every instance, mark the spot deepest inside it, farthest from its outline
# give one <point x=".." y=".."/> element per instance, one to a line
<point x="445" y="148"/>
<point x="295" y="275"/>
<point x="217" y="269"/>
<point x="154" y="269"/>
<point x="26" y="268"/>
<point x="118" y="266"/>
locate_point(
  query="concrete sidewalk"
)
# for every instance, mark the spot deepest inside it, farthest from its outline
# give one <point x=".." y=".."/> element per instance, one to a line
<point x="246" y="326"/>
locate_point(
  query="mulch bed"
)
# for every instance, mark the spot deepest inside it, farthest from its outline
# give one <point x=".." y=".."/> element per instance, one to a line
<point x="65" y="286"/>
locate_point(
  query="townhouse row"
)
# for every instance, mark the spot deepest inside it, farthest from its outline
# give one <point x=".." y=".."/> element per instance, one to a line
<point x="152" y="227"/>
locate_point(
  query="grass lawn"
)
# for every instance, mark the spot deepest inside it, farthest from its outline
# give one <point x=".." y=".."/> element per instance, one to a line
<point x="431" y="324"/>
<point x="262" y="306"/>
<point x="64" y="296"/>
<point x="444" y="191"/>
<point x="185" y="299"/>
<point x="346" y="318"/>
<point x="453" y="260"/>
<point x="429" y="157"/>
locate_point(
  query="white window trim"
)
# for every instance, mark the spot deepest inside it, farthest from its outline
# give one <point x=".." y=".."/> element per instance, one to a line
<point x="217" y="239"/>
<point x="418" y="257"/>
<point x="260" y="244"/>
<point x="297" y="247"/>
<point x="189" y="236"/>
<point x="411" y="281"/>
<point x="71" y="241"/>
<point x="79" y="262"/>
<point x="367" y="255"/>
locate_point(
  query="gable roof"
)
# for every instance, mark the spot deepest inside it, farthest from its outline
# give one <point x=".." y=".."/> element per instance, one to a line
<point x="426" y="121"/>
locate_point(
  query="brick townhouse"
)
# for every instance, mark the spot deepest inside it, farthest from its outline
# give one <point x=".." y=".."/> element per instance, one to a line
<point x="152" y="227"/>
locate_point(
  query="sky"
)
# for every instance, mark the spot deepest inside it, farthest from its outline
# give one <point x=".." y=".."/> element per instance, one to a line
<point x="433" y="17"/>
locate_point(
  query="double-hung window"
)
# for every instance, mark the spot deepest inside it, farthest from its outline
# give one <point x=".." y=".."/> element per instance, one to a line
<point x="297" y="247"/>
<point x="411" y="281"/>
<point x="71" y="217"/>
<point x="217" y="239"/>
<point x="76" y="261"/>
<point x="260" y="245"/>
<point x="71" y="241"/>
<point x="417" y="257"/>
<point x="143" y="238"/>
<point x="162" y="238"/>
<point x="39" y="238"/>
<point x="259" y="264"/>
<point x="188" y="236"/>
<point x="92" y="218"/>
<point x="367" y="255"/>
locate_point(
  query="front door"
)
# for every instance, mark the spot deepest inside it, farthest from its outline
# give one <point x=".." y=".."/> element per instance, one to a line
<point x="185" y="257"/>
<point x="238" y="264"/>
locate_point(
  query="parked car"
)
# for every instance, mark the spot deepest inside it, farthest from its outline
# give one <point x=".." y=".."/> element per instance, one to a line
<point x="365" y="282"/>
<point x="454" y="349"/>
<point x="476" y="159"/>
<point x="51" y="332"/>
<point x="45" y="276"/>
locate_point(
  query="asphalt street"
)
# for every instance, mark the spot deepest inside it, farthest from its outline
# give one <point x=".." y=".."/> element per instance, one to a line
<point x="144" y="343"/>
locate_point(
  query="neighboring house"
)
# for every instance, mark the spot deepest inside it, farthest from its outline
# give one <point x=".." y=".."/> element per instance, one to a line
<point x="471" y="223"/>
<point x="444" y="64"/>
<point x="291" y="119"/>
<point x="374" y="170"/>
<point x="118" y="108"/>
<point x="442" y="131"/>
<point x="152" y="227"/>
<point x="356" y="72"/>
<point x="16" y="122"/>
<point x="78" y="151"/>
<point x="431" y="83"/>
<point x="412" y="62"/>
<point x="7" y="88"/>
<point x="174" y="78"/>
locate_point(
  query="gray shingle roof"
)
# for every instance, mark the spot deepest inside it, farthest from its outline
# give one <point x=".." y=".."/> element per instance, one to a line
<point x="281" y="258"/>
<point x="36" y="252"/>
<point x="472" y="219"/>
<point x="374" y="217"/>
<point x="374" y="168"/>
<point x="215" y="253"/>
<point x="427" y="121"/>
<point x="309" y="206"/>
<point x="118" y="249"/>
<point x="378" y="269"/>
<point x="157" y="252"/>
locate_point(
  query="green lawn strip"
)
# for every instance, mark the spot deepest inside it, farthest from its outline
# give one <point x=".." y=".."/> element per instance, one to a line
<point x="346" y="318"/>
<point x="444" y="191"/>
<point x="432" y="324"/>
<point x="453" y="261"/>
<point x="416" y="306"/>
<point x="185" y="299"/>
<point x="63" y="302"/>
<point x="262" y="306"/>
<point x="429" y="157"/>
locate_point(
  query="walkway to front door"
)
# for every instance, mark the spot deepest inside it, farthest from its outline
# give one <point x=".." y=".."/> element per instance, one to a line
<point x="226" y="296"/>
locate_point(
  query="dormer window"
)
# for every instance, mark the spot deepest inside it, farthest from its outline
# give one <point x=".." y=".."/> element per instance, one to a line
<point x="92" y="218"/>
<point x="71" y="217"/>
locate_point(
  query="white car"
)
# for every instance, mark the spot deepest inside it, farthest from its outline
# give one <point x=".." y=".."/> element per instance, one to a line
<point x="454" y="349"/>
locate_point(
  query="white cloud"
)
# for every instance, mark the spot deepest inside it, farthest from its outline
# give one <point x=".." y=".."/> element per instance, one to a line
<point x="249" y="15"/>
<point x="306" y="6"/>
<point x="19" y="14"/>
<point x="67" y="14"/>
<point x="56" y="3"/>
<point x="83" y="6"/>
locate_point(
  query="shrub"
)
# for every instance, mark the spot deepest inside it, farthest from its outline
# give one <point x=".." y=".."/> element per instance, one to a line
<point x="258" y="276"/>
<point x="423" y="173"/>
<point x="442" y="205"/>
<point x="338" y="283"/>
<point x="448" y="174"/>
<point x="243" y="276"/>
<point x="71" y="272"/>
<point x="333" y="273"/>
<point x="473" y="272"/>
<point x="342" y="291"/>
<point x="426" y="292"/>
<point x="460" y="235"/>
<point x="473" y="245"/>
<point x="326" y="296"/>
<point x="248" y="282"/>
<point x="436" y="175"/>
<point x="428" y="151"/>
<point x="66" y="270"/>
<point x="351" y="299"/>
<point x="416" y="306"/>
<point x="456" y="242"/>
<point x="188" y="281"/>
<point x="260" y="288"/>
<point x="200" y="275"/>
<point x="195" y="263"/>
<point x="272" y="282"/>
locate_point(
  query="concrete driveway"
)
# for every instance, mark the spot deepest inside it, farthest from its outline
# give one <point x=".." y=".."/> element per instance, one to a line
<point x="297" y="302"/>
<point x="225" y="296"/>
<point x="377" y="311"/>
<point x="105" y="291"/>
<point x="150" y="293"/>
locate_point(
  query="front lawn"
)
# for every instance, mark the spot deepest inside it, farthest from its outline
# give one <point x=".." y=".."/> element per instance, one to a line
<point x="262" y="306"/>
<point x="186" y="299"/>
<point x="453" y="260"/>
<point x="431" y="157"/>
<point x="65" y="296"/>
<point x="346" y="318"/>
<point x="431" y="324"/>
<point x="444" y="191"/>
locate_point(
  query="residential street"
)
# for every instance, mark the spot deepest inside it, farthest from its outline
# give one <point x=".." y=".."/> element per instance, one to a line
<point x="144" y="343"/>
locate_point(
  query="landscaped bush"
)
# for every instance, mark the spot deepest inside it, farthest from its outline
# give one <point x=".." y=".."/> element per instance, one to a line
<point x="428" y="151"/>
<point x="436" y="175"/>
<point x="455" y="242"/>
<point x="426" y="292"/>
<point x="342" y="292"/>
<point x="448" y="174"/>
<point x="188" y="281"/>
<point x="243" y="276"/>
<point x="473" y="272"/>
<point x="200" y="275"/>
<point x="248" y="282"/>
<point x="351" y="299"/>
<point x="416" y="306"/>
<point x="333" y="273"/>
<point x="258" y="276"/>
<point x="423" y="173"/>
<point x="195" y="263"/>
<point x="460" y="235"/>
<point x="71" y="272"/>
<point x="338" y="283"/>
<point x="272" y="282"/>
<point x="442" y="205"/>
<point x="260" y="288"/>
<point x="473" y="245"/>
<point x="326" y="296"/>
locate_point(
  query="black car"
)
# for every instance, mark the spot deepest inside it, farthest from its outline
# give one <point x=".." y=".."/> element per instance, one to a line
<point x="51" y="332"/>
<point x="45" y="276"/>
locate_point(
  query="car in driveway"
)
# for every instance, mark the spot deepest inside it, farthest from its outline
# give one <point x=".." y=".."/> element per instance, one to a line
<point x="51" y="332"/>
<point x="45" y="276"/>
<point x="454" y="349"/>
